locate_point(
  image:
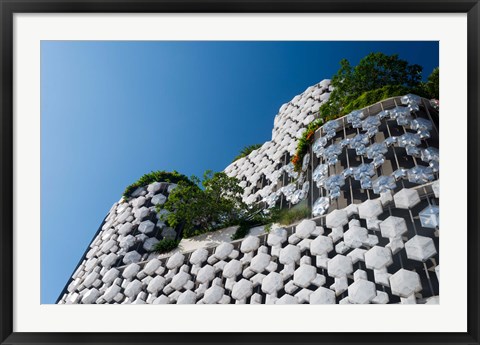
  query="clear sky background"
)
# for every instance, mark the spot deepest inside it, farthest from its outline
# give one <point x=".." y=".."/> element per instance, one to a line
<point x="113" y="111"/>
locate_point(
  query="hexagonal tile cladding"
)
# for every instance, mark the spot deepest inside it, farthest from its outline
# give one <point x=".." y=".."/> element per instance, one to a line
<point x="187" y="297"/>
<point x="404" y="283"/>
<point x="213" y="294"/>
<point x="199" y="256"/>
<point x="420" y="248"/>
<point x="276" y="237"/>
<point x="304" y="275"/>
<point x="361" y="292"/>
<point x="287" y="299"/>
<point x="156" y="284"/>
<point x="232" y="269"/>
<point x="289" y="255"/>
<point x="179" y="280"/>
<point x="429" y="216"/>
<point x="132" y="256"/>
<point x="159" y="199"/>
<point x="340" y="266"/>
<point x="360" y="274"/>
<point x="355" y="236"/>
<point x="152" y="266"/>
<point x="260" y="262"/>
<point x="272" y="283"/>
<point x="305" y="228"/>
<point x="175" y="261"/>
<point x="205" y="274"/>
<point x="336" y="218"/>
<point x="242" y="289"/>
<point x="223" y="250"/>
<point x="370" y="209"/>
<point x="141" y="212"/>
<point x="154" y="187"/>
<point x="322" y="296"/>
<point x="357" y="255"/>
<point x="321" y="245"/>
<point x="249" y="244"/>
<point x="406" y="198"/>
<point x="146" y="227"/>
<point x="393" y="227"/>
<point x="378" y="257"/>
<point x="90" y="296"/>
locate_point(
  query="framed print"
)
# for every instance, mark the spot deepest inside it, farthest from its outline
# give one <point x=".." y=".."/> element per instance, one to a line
<point x="239" y="172"/>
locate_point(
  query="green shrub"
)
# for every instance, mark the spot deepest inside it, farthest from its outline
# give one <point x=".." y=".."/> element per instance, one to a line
<point x="156" y="176"/>
<point x="371" y="97"/>
<point x="242" y="230"/>
<point x="293" y="215"/>
<point x="374" y="71"/>
<point x="165" y="245"/>
<point x="432" y="86"/>
<point x="274" y="215"/>
<point x="255" y="217"/>
<point x="246" y="151"/>
<point x="206" y="205"/>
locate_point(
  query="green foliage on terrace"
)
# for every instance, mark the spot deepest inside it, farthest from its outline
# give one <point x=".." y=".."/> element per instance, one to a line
<point x="370" y="97"/>
<point x="294" y="214"/>
<point x="203" y="206"/>
<point x="243" y="229"/>
<point x="156" y="176"/>
<point x="374" y="71"/>
<point x="165" y="245"/>
<point x="375" y="78"/>
<point x="257" y="217"/>
<point x="246" y="151"/>
<point x="274" y="215"/>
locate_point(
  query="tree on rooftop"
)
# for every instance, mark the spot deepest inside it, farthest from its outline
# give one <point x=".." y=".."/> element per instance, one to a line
<point x="205" y="205"/>
<point x="374" y="71"/>
<point x="432" y="84"/>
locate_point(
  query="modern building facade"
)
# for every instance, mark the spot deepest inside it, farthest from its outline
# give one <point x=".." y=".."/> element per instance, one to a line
<point x="371" y="179"/>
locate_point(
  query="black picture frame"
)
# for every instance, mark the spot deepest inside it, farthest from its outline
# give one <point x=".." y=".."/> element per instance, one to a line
<point x="10" y="7"/>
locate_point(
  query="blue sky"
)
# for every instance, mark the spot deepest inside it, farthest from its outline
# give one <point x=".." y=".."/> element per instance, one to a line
<point x="112" y="111"/>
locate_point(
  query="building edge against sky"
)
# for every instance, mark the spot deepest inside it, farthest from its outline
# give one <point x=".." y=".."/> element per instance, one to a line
<point x="371" y="179"/>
